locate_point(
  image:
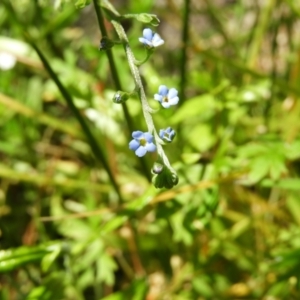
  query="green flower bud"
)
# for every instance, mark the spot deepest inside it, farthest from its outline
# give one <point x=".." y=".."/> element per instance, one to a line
<point x="163" y="177"/>
<point x="106" y="44"/>
<point x="121" y="97"/>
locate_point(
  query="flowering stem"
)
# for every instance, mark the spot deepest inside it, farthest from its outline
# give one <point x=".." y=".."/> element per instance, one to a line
<point x="141" y="92"/>
<point x="117" y="81"/>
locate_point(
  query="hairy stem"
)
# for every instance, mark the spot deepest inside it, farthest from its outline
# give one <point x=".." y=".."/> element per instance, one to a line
<point x="138" y="81"/>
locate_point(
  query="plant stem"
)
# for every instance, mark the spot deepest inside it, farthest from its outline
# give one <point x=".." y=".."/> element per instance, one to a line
<point x="117" y="81"/>
<point x="141" y="91"/>
<point x="263" y="23"/>
<point x="183" y="59"/>
<point x="98" y="153"/>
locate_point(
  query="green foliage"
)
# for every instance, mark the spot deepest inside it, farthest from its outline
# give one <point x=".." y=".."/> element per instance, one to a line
<point x="79" y="216"/>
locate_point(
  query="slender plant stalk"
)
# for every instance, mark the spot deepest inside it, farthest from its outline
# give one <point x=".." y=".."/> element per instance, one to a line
<point x="243" y="69"/>
<point x="183" y="59"/>
<point x="147" y="110"/>
<point x="117" y="81"/>
<point x="96" y="149"/>
<point x="260" y="29"/>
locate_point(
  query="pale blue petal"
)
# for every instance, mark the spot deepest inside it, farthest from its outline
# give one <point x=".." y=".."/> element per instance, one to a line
<point x="150" y="147"/>
<point x="133" y="145"/>
<point x="163" y="90"/>
<point x="137" y="134"/>
<point x="148" y="34"/>
<point x="165" y="104"/>
<point x="141" y="151"/>
<point x="145" y="42"/>
<point x="161" y="133"/>
<point x="172" y="93"/>
<point x="158" y="97"/>
<point x="148" y="137"/>
<point x="173" y="101"/>
<point x="157" y="40"/>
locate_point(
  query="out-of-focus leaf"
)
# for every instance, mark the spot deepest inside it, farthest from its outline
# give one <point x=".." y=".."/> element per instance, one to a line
<point x="292" y="150"/>
<point x="49" y="258"/>
<point x="201" y="137"/>
<point x="181" y="234"/>
<point x="293" y="204"/>
<point x="12" y="259"/>
<point x="53" y="288"/>
<point x="202" y="285"/>
<point x="144" y="18"/>
<point x="202" y="107"/>
<point x="136" y="291"/>
<point x="105" y="269"/>
<point x="289" y="184"/>
<point x="82" y="3"/>
<point x="113" y="223"/>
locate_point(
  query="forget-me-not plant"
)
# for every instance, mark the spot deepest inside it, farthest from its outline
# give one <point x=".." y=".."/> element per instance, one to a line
<point x="150" y="141"/>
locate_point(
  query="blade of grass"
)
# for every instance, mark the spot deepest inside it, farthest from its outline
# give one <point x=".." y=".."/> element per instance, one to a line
<point x="183" y="59"/>
<point x="42" y="118"/>
<point x="96" y="149"/>
<point x="46" y="181"/>
<point x="244" y="69"/>
<point x="260" y="29"/>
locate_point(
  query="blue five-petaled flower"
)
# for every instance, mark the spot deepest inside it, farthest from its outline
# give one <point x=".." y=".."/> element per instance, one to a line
<point x="167" y="134"/>
<point x="166" y="97"/>
<point x="142" y="143"/>
<point x="151" y="39"/>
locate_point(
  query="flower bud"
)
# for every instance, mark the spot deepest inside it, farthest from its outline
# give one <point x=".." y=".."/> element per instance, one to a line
<point x="106" y="44"/>
<point x="163" y="177"/>
<point x="120" y="97"/>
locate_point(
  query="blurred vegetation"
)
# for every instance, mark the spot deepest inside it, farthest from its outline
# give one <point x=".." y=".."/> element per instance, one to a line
<point x="79" y="217"/>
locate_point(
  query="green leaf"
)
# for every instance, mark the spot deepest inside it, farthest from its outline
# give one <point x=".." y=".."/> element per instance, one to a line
<point x="136" y="291"/>
<point x="12" y="259"/>
<point x="82" y="3"/>
<point x="289" y="184"/>
<point x="201" y="137"/>
<point x="203" y="106"/>
<point x="259" y="169"/>
<point x="105" y="269"/>
<point x="293" y="204"/>
<point x="48" y="259"/>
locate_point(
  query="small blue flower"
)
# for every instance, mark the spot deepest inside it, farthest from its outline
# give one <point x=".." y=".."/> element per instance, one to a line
<point x="166" y="97"/>
<point x="167" y="134"/>
<point x="151" y="39"/>
<point x="142" y="143"/>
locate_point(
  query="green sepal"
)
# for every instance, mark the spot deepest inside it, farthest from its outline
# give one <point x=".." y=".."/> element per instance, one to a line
<point x="163" y="176"/>
<point x="143" y="18"/>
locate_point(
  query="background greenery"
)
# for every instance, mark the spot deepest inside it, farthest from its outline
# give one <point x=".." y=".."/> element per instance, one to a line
<point x="229" y="230"/>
